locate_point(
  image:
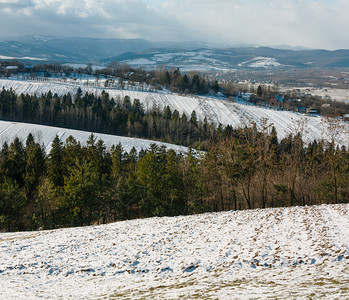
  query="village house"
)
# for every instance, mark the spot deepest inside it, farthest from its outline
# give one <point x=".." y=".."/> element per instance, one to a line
<point x="346" y="118"/>
<point x="277" y="102"/>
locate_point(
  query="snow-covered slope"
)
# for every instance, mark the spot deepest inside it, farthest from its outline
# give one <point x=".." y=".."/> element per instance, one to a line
<point x="298" y="252"/>
<point x="46" y="134"/>
<point x="261" y="62"/>
<point x="215" y="109"/>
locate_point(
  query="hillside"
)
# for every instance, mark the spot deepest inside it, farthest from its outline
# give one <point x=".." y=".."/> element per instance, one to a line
<point x="67" y="49"/>
<point x="216" y="110"/>
<point x="79" y="49"/>
<point x="298" y="252"/>
<point x="46" y="134"/>
<point x="247" y="58"/>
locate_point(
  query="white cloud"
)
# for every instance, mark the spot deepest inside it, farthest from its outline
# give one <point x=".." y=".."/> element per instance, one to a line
<point x="312" y="23"/>
<point x="295" y="22"/>
<point x="8" y="1"/>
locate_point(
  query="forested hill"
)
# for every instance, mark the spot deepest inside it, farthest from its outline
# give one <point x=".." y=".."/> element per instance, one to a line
<point x="215" y="110"/>
<point x="243" y="166"/>
<point x="77" y="184"/>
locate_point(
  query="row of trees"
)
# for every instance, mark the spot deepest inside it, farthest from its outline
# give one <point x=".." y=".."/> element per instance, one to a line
<point x="80" y="185"/>
<point x="13" y="67"/>
<point x="173" y="79"/>
<point x="190" y="83"/>
<point x="105" y="115"/>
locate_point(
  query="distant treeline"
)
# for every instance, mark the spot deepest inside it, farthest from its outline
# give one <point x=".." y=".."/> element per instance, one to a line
<point x="77" y="185"/>
<point x="172" y="79"/>
<point x="103" y="114"/>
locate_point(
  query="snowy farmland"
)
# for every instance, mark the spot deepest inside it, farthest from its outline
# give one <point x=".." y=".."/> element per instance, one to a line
<point x="45" y="135"/>
<point x="298" y="252"/>
<point x="216" y="110"/>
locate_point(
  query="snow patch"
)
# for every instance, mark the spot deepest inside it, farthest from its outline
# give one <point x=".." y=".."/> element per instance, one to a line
<point x="261" y="62"/>
<point x="46" y="134"/>
<point x="26" y="57"/>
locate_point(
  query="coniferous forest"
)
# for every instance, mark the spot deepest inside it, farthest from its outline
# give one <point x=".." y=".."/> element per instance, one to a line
<point x="79" y="184"/>
<point x="103" y="114"/>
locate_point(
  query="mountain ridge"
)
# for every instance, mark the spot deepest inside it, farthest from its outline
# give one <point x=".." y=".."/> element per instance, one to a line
<point x="186" y="55"/>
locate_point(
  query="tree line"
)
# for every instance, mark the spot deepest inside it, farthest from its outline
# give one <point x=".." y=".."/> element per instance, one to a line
<point x="172" y="78"/>
<point x="103" y="114"/>
<point x="77" y="184"/>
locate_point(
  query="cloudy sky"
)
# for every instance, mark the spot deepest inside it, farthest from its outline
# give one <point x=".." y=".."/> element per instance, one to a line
<point x="309" y="23"/>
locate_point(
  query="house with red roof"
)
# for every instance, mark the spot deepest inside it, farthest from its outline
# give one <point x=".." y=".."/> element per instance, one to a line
<point x="277" y="102"/>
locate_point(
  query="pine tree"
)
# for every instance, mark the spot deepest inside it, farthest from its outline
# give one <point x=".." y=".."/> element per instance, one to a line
<point x="29" y="141"/>
<point x="47" y="202"/>
<point x="183" y="83"/>
<point x="12" y="205"/>
<point x="81" y="193"/>
<point x="194" y="118"/>
<point x="150" y="174"/>
<point x="4" y="162"/>
<point x="71" y="151"/>
<point x="117" y="157"/>
<point x="16" y="162"/>
<point x="35" y="167"/>
<point x="173" y="185"/>
<point x="55" y="159"/>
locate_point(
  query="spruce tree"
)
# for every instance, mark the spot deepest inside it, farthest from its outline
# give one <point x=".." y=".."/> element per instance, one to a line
<point x="35" y="168"/>
<point x="55" y="159"/>
<point x="12" y="205"/>
<point x="4" y="162"/>
<point x="47" y="204"/>
<point x="81" y="193"/>
<point x="16" y="161"/>
<point x="29" y="141"/>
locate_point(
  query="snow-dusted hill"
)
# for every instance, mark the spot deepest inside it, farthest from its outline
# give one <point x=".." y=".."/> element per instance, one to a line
<point x="216" y="110"/>
<point x="46" y="134"/>
<point x="298" y="252"/>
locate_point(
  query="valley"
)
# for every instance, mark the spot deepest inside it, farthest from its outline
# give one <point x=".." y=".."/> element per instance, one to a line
<point x="174" y="149"/>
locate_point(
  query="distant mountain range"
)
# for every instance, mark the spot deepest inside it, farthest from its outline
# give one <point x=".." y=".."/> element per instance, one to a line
<point x="190" y="55"/>
<point x="235" y="58"/>
<point x="72" y="50"/>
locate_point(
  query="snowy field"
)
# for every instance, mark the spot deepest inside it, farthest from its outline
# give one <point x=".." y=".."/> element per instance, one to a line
<point x="215" y="109"/>
<point x="298" y="252"/>
<point x="45" y="134"/>
<point x="335" y="94"/>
